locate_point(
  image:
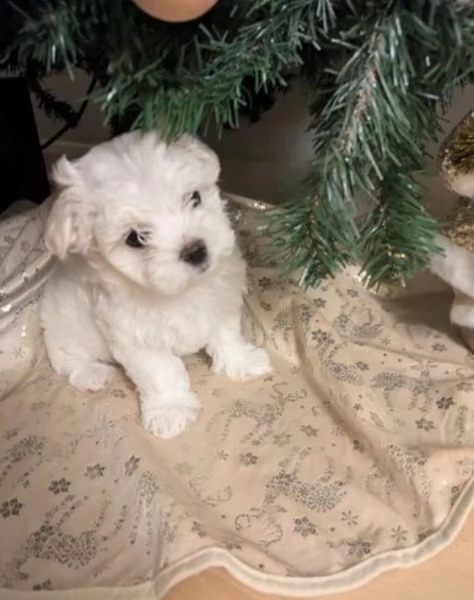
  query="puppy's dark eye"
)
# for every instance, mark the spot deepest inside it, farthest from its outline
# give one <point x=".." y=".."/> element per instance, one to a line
<point x="195" y="199"/>
<point x="133" y="240"/>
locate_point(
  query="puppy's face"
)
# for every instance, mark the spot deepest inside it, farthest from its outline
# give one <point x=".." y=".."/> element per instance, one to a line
<point x="148" y="210"/>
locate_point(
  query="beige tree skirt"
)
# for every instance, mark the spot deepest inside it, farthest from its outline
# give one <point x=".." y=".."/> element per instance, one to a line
<point x="355" y="457"/>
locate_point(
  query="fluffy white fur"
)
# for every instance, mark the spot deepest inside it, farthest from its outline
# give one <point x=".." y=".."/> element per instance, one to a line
<point x="456" y="268"/>
<point x="144" y="308"/>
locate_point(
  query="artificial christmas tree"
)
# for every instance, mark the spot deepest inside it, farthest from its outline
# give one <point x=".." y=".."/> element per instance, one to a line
<point x="377" y="74"/>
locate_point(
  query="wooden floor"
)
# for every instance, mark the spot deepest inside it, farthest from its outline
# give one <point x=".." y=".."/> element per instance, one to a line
<point x="450" y="573"/>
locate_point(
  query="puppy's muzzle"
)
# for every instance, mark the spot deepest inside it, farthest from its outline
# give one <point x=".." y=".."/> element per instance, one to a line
<point x="195" y="253"/>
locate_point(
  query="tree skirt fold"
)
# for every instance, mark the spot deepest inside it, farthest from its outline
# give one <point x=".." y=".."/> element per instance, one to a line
<point x="355" y="457"/>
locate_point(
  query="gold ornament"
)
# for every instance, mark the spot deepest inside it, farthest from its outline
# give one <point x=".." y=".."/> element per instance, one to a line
<point x="460" y="226"/>
<point x="456" y="163"/>
<point x="456" y="156"/>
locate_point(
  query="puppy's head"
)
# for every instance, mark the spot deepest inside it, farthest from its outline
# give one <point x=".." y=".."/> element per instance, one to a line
<point x="149" y="210"/>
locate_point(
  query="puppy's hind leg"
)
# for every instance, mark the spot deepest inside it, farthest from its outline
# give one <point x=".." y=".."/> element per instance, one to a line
<point x="92" y="376"/>
<point x="86" y="372"/>
<point x="76" y="348"/>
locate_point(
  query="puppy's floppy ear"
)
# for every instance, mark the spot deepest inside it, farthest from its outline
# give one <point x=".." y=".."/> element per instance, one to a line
<point x="68" y="229"/>
<point x="208" y="161"/>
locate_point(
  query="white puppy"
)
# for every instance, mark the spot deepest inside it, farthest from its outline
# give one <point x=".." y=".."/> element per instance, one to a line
<point x="149" y="271"/>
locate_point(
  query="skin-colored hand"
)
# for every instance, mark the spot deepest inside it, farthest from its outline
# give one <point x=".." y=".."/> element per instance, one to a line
<point x="175" y="11"/>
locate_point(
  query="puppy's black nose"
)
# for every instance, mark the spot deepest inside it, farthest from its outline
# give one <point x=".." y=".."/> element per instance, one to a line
<point x="194" y="253"/>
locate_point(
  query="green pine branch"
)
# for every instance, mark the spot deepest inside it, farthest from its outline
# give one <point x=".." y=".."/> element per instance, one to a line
<point x="54" y="108"/>
<point x="397" y="239"/>
<point x="370" y="135"/>
<point x="195" y="73"/>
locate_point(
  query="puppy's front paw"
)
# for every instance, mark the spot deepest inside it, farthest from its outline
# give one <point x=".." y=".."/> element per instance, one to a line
<point x="92" y="377"/>
<point x="168" y="418"/>
<point x="246" y="362"/>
